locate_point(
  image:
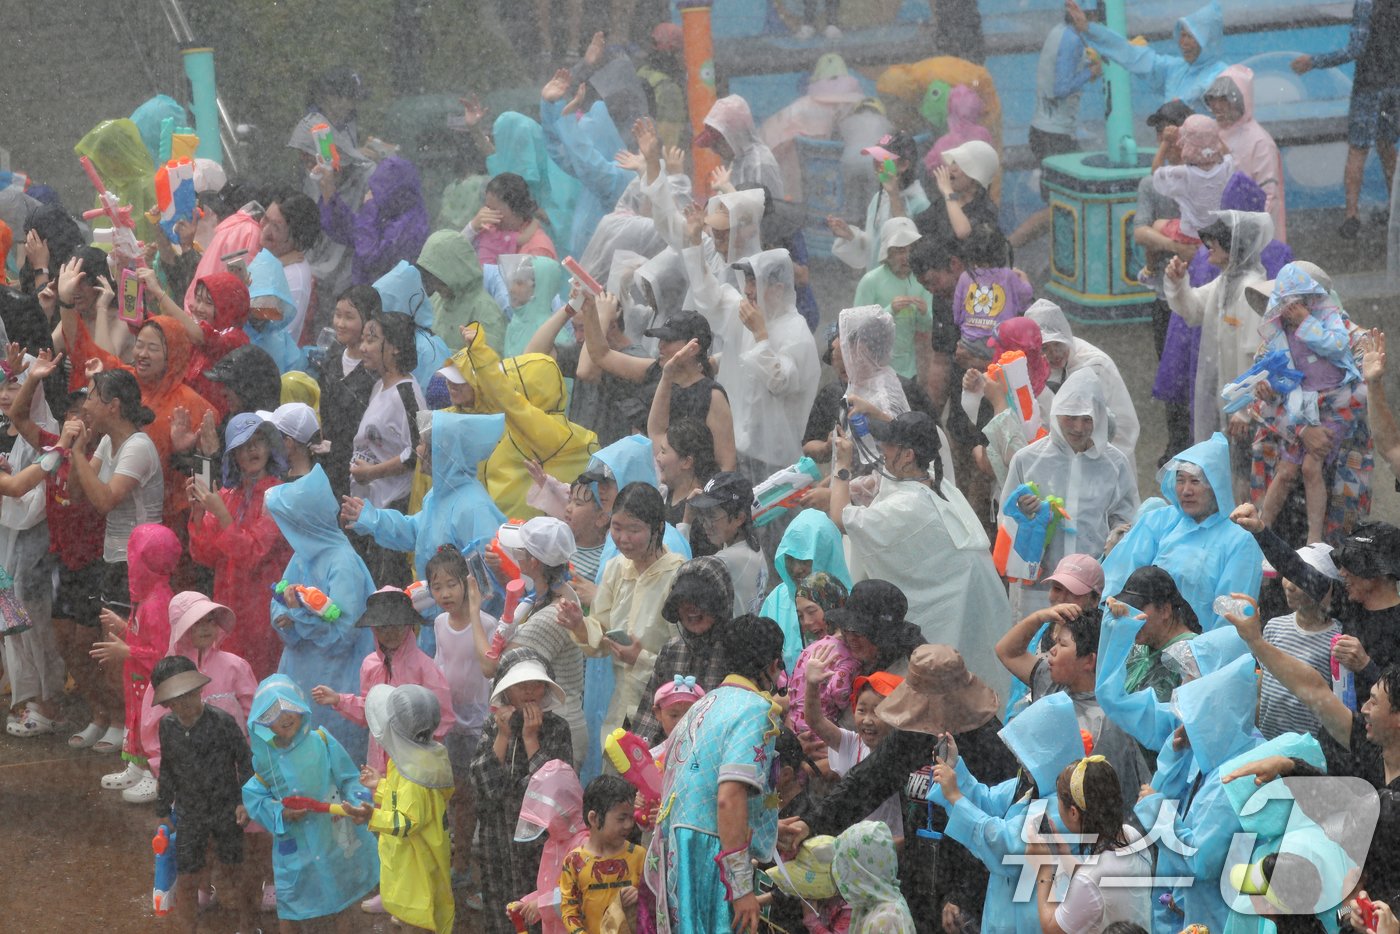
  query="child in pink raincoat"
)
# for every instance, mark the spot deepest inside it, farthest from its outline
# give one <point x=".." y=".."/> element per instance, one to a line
<point x="396" y="660"/>
<point x="554" y="804"/>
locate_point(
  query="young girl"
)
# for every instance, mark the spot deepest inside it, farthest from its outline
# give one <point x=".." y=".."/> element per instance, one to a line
<point x="553" y="805"/>
<point x="153" y="551"/>
<point x="685" y="462"/>
<point x="410" y="807"/>
<point x="859" y="247"/>
<point x="396" y="660"/>
<point x="810" y="545"/>
<point x="867" y="875"/>
<point x="213" y="322"/>
<point x="543" y="548"/>
<point x="345" y="384"/>
<point x="382" y="465"/>
<point x="1302" y="319"/>
<point x="232" y="533"/>
<point x="670" y="703"/>
<point x="532" y="286"/>
<point x="509" y="221"/>
<point x="725" y="508"/>
<point x="1198" y="182"/>
<point x="990" y="292"/>
<point x="463" y="634"/>
<point x="322" y="865"/>
<point x="521" y="736"/>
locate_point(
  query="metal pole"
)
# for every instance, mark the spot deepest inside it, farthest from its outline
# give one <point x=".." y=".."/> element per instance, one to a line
<point x="180" y="28"/>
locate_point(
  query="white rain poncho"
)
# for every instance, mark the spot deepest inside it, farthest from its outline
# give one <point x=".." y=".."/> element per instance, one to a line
<point x="753" y="162"/>
<point x="1229" y="327"/>
<point x="629" y="227"/>
<point x="867" y="342"/>
<point x="1055" y="328"/>
<point x="771" y="384"/>
<point x="650" y="292"/>
<point x="745" y="222"/>
<point x="1099" y="486"/>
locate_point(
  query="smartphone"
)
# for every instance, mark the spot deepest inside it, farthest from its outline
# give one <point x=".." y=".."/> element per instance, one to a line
<point x="940" y="750"/>
<point x="204" y="470"/>
<point x="133" y="298"/>
<point x="236" y="263"/>
<point x="485" y="583"/>
<point x="620" y="636"/>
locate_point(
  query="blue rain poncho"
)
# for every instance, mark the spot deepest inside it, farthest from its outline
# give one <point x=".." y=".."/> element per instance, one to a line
<point x="811" y="536"/>
<point x="1168" y="74"/>
<point x="521" y="148"/>
<point x="586" y="145"/>
<point x="267" y="285"/>
<point x="401" y="291"/>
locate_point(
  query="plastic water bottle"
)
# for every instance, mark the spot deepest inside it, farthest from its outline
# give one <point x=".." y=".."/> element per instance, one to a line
<point x="1226" y="604"/>
<point x="1343" y="679"/>
<point x="860" y="426"/>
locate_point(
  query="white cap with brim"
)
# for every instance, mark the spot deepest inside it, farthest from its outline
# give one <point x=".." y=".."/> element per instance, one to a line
<point x="452" y="374"/>
<point x="525" y="671"/>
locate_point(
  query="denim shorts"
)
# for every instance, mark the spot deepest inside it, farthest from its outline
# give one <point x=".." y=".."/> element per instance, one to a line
<point x="1374" y="117"/>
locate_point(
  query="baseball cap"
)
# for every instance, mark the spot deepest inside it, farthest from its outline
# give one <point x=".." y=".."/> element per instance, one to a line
<point x="1079" y="574"/>
<point x="547" y="539"/>
<point x="452" y="374"/>
<point x="914" y="430"/>
<point x="1149" y="585"/>
<point x="726" y="489"/>
<point x="296" y="420"/>
<point x="1172" y="113"/>
<point x="1318" y="556"/>
<point x="686" y="326"/>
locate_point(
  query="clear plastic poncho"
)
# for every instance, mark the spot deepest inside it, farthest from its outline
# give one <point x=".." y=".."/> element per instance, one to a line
<point x="867" y="343"/>
<point x="402" y="720"/>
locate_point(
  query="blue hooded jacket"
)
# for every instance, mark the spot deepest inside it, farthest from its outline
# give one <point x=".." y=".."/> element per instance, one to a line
<point x="1168" y="74"/>
<point x="585" y="146"/>
<point x="322" y="865"/>
<point x="1206" y="558"/>
<point x="1217" y="711"/>
<point x="316" y="651"/>
<point x="990" y="821"/>
<point x="401" y="291"/>
<point x="813" y="537"/>
<point x="267" y="278"/>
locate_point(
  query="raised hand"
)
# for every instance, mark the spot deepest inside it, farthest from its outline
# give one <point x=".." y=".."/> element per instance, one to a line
<point x="594" y="53"/>
<point x="694" y="222"/>
<point x="1373" y="363"/>
<point x="644" y="129"/>
<point x="182" y="433"/>
<point x="630" y="161"/>
<point x="557" y="86"/>
<point x="472" y="109"/>
<point x="720" y="179"/>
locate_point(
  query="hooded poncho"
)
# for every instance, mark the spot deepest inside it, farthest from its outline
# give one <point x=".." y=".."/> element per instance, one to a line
<point x="752" y="162"/>
<point x="449" y="256"/>
<point x="866" y="871"/>
<point x="1251" y="147"/>
<point x="391" y="227"/>
<point x="268" y="286"/>
<point x="521" y="148"/>
<point x="1170" y="76"/>
<point x="811" y="536"/>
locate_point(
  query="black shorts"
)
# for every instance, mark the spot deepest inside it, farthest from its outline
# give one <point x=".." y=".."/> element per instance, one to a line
<point x="1043" y="145"/>
<point x="192" y="841"/>
<point x="116" y="590"/>
<point x="79" y="593"/>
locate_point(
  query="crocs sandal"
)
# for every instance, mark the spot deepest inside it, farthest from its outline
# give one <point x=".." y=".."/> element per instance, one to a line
<point x="111" y="741"/>
<point x="120" y="781"/>
<point x="86" y="737"/>
<point x="32" y="724"/>
<point x="373" y="906"/>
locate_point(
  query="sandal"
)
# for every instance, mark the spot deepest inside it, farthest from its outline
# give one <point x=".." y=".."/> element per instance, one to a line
<point x="86" y="737"/>
<point x="33" y="724"/>
<point x="111" y="741"/>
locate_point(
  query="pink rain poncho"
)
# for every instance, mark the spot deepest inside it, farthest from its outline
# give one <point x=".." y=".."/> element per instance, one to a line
<point x="967" y="114"/>
<point x="1253" y="149"/>
<point x="553" y="803"/>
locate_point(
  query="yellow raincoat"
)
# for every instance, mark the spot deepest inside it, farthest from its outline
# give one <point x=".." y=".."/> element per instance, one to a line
<point x="529" y="390"/>
<point x="415" y="854"/>
<point x="121" y="159"/>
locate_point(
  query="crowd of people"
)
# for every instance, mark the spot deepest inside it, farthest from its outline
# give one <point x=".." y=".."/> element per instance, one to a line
<point x="417" y="569"/>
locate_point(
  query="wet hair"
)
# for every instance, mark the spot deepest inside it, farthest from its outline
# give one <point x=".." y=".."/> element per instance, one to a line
<point x="1218" y="231"/>
<point x="643" y="502"/>
<point x="400" y="333"/>
<point x="1103" y="804"/>
<point x="906" y="148"/>
<point x="690" y="437"/>
<point x="95" y="266"/>
<point x="1084" y="631"/>
<point x="1124" y="927"/>
<point x="513" y="190"/>
<point x="303" y="218"/>
<point x="751" y="644"/>
<point x="365" y="299"/>
<point x="602" y="795"/>
<point x="122" y="386"/>
<point x="1390" y="680"/>
<point x="984" y="248"/>
<point x="790" y="753"/>
<point x="169" y="667"/>
<point x="449" y="561"/>
<point x="747" y="530"/>
<point x="930" y="253"/>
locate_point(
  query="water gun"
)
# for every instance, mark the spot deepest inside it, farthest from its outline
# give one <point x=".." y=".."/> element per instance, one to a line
<point x="302" y="803"/>
<point x="515" y="593"/>
<point x="509" y="569"/>
<point x="1032" y="534"/>
<point x="121" y="236"/>
<point x="1343" y="681"/>
<point x="1274" y="367"/>
<point x="327" y="154"/>
<point x="515" y="912"/>
<point x="421" y="595"/>
<point x="781" y="492"/>
<point x="313" y="598"/>
<point x="889" y="169"/>
<point x="163" y="890"/>
<point x="590" y="284"/>
<point x="1368" y="913"/>
<point x="13" y="180"/>
<point x="1011" y="367"/>
<point x="631" y="756"/>
<point x="175" y="196"/>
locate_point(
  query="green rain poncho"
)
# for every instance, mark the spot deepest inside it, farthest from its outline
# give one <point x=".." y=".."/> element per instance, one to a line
<point x="116" y="151"/>
<point x="449" y="256"/>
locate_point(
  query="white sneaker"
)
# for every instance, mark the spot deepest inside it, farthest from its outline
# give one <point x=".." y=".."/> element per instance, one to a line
<point x="116" y="781"/>
<point x="833" y="31"/>
<point x="807" y="31"/>
<point x="143" y="792"/>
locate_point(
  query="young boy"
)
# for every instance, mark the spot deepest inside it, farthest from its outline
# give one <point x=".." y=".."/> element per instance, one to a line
<point x="205" y="760"/>
<point x="608" y="866"/>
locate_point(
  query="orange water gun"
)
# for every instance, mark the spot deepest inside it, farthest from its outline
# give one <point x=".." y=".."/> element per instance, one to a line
<point x="1011" y="367"/>
<point x="313" y="598"/>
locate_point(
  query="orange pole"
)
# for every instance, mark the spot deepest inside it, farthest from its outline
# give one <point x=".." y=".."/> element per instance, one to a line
<point x="700" y="84"/>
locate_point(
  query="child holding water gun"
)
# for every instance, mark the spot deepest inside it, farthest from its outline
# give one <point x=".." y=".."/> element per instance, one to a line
<point x="552" y="814"/>
<point x="409" y="813"/>
<point x="1302" y="318"/>
<point x="322" y="866"/>
<point x="606" y="869"/>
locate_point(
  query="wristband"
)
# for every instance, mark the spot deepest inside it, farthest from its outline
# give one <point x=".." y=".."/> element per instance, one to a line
<point x="63" y="304"/>
<point x="736" y="872"/>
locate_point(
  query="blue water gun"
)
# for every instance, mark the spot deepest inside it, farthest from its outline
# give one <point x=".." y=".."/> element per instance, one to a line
<point x="1275" y="367"/>
<point x="1033" y="533"/>
<point x="163" y="890"/>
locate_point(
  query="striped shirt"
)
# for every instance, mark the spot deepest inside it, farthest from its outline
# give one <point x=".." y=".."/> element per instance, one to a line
<point x="1279" y="710"/>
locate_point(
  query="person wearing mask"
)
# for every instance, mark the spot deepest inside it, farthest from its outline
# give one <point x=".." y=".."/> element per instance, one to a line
<point x="917" y="518"/>
<point x="1199" y="37"/>
<point x="1076" y="463"/>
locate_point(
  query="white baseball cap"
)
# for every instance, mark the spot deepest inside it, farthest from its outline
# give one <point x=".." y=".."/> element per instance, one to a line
<point x="296" y="420"/>
<point x="452" y="374"/>
<point x="1318" y="556"/>
<point x="547" y="539"/>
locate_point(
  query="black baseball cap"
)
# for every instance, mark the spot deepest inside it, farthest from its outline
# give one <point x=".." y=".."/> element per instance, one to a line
<point x="878" y="605"/>
<point x="1371" y="550"/>
<point x="1153" y="586"/>
<point x="1172" y="113"/>
<point x="686" y="326"/>
<point x="914" y="430"/>
<point x="726" y="489"/>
